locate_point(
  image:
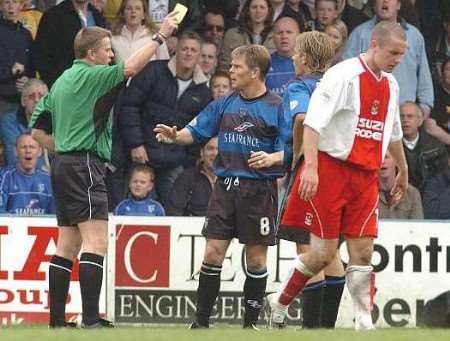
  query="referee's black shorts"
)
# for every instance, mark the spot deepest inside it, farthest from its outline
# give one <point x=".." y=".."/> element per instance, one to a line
<point x="78" y="180"/>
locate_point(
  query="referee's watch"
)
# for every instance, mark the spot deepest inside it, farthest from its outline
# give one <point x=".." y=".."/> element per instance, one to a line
<point x="157" y="37"/>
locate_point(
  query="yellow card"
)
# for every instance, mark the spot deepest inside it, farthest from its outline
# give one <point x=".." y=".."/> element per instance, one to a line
<point x="181" y="11"/>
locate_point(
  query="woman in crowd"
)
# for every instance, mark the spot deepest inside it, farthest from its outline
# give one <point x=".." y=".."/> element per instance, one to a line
<point x="338" y="33"/>
<point x="255" y="27"/>
<point x="133" y="29"/>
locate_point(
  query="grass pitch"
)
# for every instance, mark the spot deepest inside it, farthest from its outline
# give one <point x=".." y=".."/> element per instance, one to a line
<point x="218" y="333"/>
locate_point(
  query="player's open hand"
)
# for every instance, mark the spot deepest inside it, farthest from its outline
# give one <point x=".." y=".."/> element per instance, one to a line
<point x="165" y="134"/>
<point x="400" y="187"/>
<point x="168" y="25"/>
<point x="309" y="182"/>
<point x="260" y="160"/>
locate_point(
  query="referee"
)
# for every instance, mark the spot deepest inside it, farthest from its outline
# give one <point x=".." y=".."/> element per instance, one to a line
<point x="77" y="109"/>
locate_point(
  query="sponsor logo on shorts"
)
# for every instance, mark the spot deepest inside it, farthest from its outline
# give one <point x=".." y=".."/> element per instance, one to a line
<point x="308" y="219"/>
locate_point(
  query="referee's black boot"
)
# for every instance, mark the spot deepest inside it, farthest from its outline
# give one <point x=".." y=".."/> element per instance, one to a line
<point x="196" y="325"/>
<point x="68" y="325"/>
<point x="102" y="323"/>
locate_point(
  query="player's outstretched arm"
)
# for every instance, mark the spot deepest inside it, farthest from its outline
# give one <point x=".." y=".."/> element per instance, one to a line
<point x="309" y="180"/>
<point x="140" y="58"/>
<point x="262" y="159"/>
<point x="166" y="134"/>
<point x="401" y="180"/>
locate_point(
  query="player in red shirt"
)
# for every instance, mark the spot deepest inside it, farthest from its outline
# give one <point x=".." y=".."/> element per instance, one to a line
<point x="352" y="120"/>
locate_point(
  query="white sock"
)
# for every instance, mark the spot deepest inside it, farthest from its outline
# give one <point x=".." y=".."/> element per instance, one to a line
<point x="358" y="284"/>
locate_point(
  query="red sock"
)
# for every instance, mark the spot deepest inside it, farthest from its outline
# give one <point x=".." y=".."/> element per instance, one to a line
<point x="294" y="285"/>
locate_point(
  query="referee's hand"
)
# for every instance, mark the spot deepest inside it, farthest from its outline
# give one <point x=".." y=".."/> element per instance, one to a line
<point x="168" y="25"/>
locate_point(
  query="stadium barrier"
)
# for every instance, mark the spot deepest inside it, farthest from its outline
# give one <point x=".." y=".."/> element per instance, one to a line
<point x="152" y="264"/>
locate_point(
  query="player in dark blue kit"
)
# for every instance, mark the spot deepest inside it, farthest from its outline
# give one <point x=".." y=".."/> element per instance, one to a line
<point x="141" y="184"/>
<point x="24" y="189"/>
<point x="243" y="204"/>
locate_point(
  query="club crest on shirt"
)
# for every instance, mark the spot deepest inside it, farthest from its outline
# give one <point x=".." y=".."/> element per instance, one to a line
<point x="243" y="127"/>
<point x="41" y="188"/>
<point x="375" y="107"/>
<point x="243" y="111"/>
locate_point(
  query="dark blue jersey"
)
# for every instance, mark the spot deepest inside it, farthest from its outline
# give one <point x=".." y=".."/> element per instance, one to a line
<point x="242" y="126"/>
<point x="295" y="101"/>
<point x="143" y="207"/>
<point x="281" y="72"/>
<point x="26" y="194"/>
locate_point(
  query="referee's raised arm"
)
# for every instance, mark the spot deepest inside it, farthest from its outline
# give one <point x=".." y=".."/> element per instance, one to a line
<point x="140" y="58"/>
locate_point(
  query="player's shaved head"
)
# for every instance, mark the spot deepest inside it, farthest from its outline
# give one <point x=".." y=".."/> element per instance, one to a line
<point x="385" y="30"/>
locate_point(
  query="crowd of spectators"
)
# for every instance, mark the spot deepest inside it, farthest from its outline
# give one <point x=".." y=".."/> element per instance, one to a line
<point x="190" y="69"/>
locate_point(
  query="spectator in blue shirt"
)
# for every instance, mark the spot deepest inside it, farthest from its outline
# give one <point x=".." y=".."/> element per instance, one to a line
<point x="24" y="189"/>
<point x="14" y="123"/>
<point x="413" y="73"/>
<point x="282" y="69"/>
<point x="141" y="184"/>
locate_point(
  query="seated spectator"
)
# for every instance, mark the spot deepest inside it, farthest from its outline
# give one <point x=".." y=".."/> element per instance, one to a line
<point x="410" y="205"/>
<point x="54" y="52"/>
<point x="255" y="27"/>
<point x="191" y="191"/>
<point x="14" y="123"/>
<point x="132" y="29"/>
<point x="282" y="69"/>
<point x="441" y="50"/>
<point x="24" y="189"/>
<point x="169" y="92"/>
<point x="303" y="14"/>
<point x="337" y="31"/>
<point x="30" y="17"/>
<point x="281" y="9"/>
<point x="326" y="13"/>
<point x="140" y="203"/>
<point x="436" y="196"/>
<point x="213" y="26"/>
<point x="351" y="15"/>
<point x="441" y="109"/>
<point x="15" y="55"/>
<point x="425" y="155"/>
<point x="220" y="84"/>
<point x="208" y="58"/>
<point x="99" y="5"/>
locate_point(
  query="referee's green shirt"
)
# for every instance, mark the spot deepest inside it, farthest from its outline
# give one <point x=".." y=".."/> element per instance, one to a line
<point x="80" y="103"/>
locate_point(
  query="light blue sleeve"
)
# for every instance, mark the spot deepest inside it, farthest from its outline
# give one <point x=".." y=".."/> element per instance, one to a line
<point x="4" y="192"/>
<point x="425" y="93"/>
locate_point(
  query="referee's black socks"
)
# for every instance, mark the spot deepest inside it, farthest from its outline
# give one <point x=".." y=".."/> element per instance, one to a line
<point x="59" y="273"/>
<point x="207" y="292"/>
<point x="254" y="290"/>
<point x="334" y="286"/>
<point x="91" y="275"/>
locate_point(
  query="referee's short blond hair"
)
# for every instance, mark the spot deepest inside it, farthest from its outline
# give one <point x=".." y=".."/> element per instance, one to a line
<point x="89" y="38"/>
<point x="317" y="48"/>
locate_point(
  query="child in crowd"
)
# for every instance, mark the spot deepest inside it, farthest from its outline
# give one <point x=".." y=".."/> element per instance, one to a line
<point x="220" y="84"/>
<point x="141" y="184"/>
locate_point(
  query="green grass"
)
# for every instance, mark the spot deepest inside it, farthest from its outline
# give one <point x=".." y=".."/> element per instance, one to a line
<point x="219" y="333"/>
